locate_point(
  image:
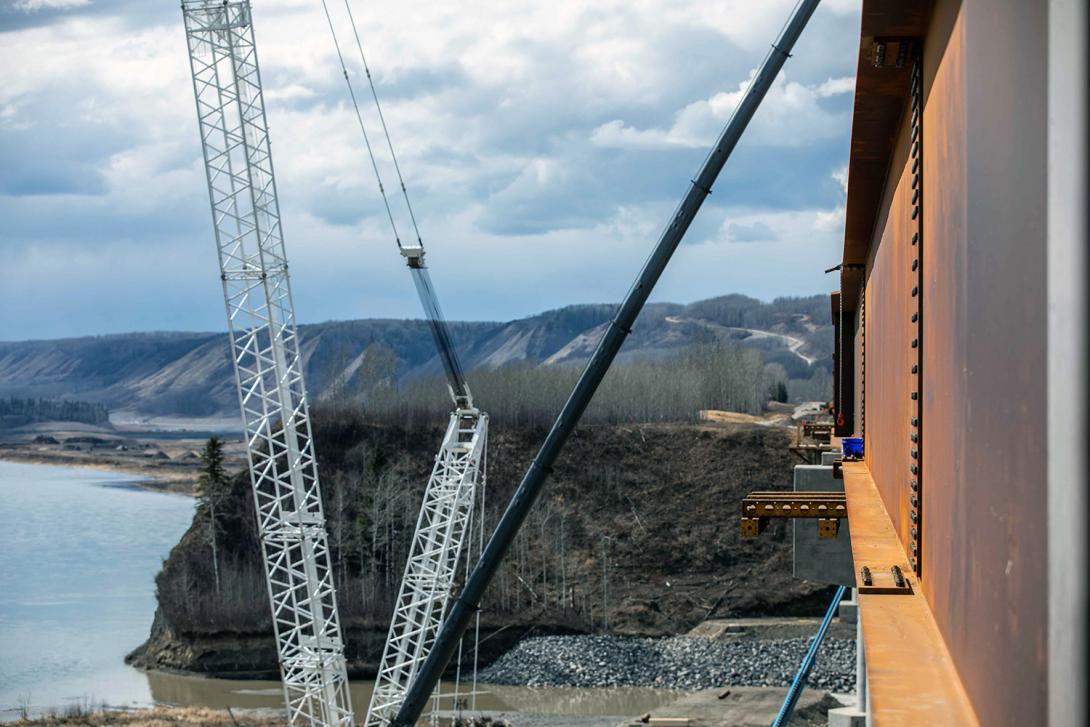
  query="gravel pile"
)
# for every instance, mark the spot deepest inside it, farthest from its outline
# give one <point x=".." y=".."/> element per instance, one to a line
<point x="677" y="662"/>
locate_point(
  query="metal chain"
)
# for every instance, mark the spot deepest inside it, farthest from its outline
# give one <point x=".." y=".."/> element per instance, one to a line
<point x="863" y="357"/>
<point x="840" y="361"/>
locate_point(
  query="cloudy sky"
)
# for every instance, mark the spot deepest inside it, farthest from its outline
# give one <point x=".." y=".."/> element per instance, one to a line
<point x="544" y="145"/>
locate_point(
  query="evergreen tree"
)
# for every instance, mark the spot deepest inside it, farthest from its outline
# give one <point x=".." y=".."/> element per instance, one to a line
<point x="212" y="492"/>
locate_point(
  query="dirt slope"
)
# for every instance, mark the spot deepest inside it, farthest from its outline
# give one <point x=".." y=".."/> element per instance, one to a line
<point x="638" y="529"/>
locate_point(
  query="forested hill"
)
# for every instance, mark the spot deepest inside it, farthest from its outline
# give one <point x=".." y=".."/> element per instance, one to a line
<point x="189" y="374"/>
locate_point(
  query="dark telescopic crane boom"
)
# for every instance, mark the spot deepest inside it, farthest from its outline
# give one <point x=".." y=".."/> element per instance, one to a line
<point x="467" y="602"/>
<point x="456" y="378"/>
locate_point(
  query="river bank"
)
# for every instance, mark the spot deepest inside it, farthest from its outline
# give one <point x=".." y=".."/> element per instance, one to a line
<point x="147" y="478"/>
<point x="157" y="717"/>
<point x="603" y="551"/>
<point x="163" y="461"/>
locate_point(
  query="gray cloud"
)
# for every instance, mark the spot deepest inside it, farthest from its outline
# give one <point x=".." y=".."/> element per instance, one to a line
<point x="753" y="232"/>
<point x="101" y="176"/>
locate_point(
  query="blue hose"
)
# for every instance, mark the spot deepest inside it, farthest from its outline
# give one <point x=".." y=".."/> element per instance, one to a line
<point x="792" y="698"/>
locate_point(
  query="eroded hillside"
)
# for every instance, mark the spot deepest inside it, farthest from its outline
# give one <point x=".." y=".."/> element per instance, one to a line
<point x="638" y="530"/>
<point x="143" y="376"/>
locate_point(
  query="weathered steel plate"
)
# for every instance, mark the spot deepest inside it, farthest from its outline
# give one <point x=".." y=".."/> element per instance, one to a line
<point x="910" y="676"/>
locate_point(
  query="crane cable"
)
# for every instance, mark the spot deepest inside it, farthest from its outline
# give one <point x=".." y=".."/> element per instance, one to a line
<point x="427" y="294"/>
<point x="363" y="128"/>
<point x="382" y="119"/>
<point x="459" y="388"/>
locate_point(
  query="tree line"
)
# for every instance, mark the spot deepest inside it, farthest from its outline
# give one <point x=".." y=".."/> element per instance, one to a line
<point x="673" y="387"/>
<point x="24" y="411"/>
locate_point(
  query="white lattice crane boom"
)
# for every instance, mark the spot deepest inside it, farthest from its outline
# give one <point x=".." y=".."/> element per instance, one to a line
<point x="265" y="348"/>
<point x="441" y="531"/>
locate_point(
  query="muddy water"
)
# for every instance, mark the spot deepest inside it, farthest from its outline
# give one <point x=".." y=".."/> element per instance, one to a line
<point x="79" y="551"/>
<point x="221" y="693"/>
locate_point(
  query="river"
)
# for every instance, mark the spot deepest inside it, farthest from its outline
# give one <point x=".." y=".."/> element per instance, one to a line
<point x="78" y="557"/>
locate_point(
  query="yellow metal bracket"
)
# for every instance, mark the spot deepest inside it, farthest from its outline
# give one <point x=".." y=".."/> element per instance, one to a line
<point x="828" y="508"/>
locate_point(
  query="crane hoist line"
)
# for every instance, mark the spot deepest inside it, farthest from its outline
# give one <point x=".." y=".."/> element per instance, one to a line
<point x="413" y="253"/>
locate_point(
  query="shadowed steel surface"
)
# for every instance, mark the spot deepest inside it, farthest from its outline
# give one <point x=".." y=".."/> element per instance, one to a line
<point x="265" y="348"/>
<point x="1068" y="322"/>
<point x="466" y="605"/>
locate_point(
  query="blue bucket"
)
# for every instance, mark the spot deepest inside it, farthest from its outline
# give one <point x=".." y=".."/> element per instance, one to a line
<point x="852" y="447"/>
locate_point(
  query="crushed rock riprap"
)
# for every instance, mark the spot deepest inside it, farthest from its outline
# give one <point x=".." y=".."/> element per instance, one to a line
<point x="677" y="662"/>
